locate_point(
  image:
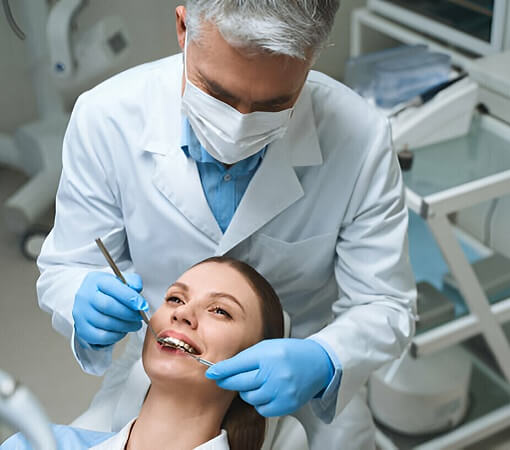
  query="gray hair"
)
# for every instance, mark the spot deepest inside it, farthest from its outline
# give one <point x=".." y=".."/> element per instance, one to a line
<point x="288" y="27"/>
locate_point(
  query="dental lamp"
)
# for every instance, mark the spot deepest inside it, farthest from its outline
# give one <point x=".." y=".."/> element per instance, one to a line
<point x="80" y="59"/>
<point x="61" y="57"/>
<point x="21" y="410"/>
<point x="59" y="36"/>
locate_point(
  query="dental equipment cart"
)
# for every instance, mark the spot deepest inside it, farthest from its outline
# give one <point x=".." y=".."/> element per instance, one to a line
<point x="447" y="177"/>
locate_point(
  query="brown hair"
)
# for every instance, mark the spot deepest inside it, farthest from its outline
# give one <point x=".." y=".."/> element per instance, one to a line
<point x="246" y="428"/>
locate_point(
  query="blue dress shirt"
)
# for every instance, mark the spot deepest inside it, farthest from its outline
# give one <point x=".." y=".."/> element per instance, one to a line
<point x="223" y="188"/>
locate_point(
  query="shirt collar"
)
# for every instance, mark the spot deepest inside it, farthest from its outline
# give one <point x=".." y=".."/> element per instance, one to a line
<point x="220" y="442"/>
<point x="192" y="148"/>
<point x="119" y="440"/>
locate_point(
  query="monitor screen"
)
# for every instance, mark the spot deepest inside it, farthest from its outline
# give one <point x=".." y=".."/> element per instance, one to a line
<point x="473" y="17"/>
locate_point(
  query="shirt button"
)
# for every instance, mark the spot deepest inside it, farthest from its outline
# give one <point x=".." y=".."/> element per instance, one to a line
<point x="227" y="177"/>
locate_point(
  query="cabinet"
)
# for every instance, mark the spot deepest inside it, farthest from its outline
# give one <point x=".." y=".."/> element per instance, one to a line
<point x="447" y="178"/>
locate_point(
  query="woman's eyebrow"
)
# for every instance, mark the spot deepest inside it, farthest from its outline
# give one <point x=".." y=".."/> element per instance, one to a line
<point x="178" y="284"/>
<point x="228" y="296"/>
<point x="185" y="288"/>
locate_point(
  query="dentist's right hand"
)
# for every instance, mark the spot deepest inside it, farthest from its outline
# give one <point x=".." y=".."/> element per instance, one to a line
<point x="105" y="309"/>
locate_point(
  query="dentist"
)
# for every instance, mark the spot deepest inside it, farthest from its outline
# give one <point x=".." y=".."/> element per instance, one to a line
<point x="237" y="148"/>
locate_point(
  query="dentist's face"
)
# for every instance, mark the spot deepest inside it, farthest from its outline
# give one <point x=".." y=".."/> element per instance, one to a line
<point x="243" y="79"/>
<point x="214" y="311"/>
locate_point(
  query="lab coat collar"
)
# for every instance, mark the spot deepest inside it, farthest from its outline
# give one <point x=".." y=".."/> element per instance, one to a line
<point x="177" y="178"/>
<point x="162" y="128"/>
<point x="175" y="175"/>
<point x="301" y="139"/>
<point x="274" y="187"/>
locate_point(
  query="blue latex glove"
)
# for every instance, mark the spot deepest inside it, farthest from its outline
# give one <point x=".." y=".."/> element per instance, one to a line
<point x="105" y="309"/>
<point x="277" y="376"/>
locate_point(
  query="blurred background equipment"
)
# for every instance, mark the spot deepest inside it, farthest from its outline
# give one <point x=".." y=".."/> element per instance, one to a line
<point x="453" y="386"/>
<point x="21" y="411"/>
<point x="396" y="75"/>
<point x="77" y="60"/>
<point x="479" y="27"/>
<point x="83" y="58"/>
<point x="427" y="395"/>
<point x="419" y="90"/>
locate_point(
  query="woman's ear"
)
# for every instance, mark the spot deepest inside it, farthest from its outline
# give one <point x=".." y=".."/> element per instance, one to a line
<point x="180" y="25"/>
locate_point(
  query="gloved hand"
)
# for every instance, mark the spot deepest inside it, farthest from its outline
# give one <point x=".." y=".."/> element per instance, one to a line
<point x="105" y="309"/>
<point x="277" y="376"/>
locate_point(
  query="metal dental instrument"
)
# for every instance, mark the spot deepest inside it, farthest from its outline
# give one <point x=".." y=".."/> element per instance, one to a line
<point x="117" y="272"/>
<point x="201" y="360"/>
<point x="162" y="341"/>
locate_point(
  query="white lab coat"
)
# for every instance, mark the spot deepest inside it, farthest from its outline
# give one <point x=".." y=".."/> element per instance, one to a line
<point x="323" y="219"/>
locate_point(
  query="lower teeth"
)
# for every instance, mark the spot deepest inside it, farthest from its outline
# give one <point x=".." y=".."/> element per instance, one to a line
<point x="167" y="343"/>
<point x="176" y="347"/>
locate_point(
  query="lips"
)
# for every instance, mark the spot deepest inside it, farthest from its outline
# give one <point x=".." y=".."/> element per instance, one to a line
<point x="181" y="337"/>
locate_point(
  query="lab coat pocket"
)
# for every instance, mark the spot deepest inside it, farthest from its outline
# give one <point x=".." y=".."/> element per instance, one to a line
<point x="303" y="265"/>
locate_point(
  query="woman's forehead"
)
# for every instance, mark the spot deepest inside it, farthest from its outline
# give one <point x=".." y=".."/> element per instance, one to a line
<point x="215" y="277"/>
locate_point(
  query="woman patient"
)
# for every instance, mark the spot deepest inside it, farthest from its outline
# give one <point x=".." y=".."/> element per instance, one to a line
<point x="217" y="308"/>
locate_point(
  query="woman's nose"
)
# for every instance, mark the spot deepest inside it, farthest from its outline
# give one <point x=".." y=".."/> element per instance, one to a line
<point x="185" y="314"/>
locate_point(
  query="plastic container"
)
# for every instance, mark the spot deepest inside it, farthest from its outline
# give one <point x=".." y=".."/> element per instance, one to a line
<point x="397" y="80"/>
<point x="360" y="70"/>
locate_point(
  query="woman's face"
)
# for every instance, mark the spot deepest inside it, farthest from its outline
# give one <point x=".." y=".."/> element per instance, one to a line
<point x="212" y="308"/>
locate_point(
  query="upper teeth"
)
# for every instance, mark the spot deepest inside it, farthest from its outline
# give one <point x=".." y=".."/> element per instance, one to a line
<point x="170" y="340"/>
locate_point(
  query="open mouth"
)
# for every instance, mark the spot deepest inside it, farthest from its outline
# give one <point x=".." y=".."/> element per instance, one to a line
<point x="170" y="341"/>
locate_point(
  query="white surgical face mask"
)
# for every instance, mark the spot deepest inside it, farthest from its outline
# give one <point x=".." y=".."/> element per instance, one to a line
<point x="228" y="135"/>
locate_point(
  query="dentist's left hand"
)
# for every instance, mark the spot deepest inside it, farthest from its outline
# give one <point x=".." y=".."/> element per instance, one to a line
<point x="277" y="376"/>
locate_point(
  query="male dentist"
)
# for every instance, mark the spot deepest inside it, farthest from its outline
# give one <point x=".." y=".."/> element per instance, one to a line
<point x="236" y="147"/>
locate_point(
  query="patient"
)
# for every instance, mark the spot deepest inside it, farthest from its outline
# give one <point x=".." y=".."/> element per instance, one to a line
<point x="218" y="307"/>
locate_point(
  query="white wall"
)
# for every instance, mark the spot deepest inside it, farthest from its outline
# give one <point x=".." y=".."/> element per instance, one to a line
<point x="332" y="59"/>
<point x="151" y="29"/>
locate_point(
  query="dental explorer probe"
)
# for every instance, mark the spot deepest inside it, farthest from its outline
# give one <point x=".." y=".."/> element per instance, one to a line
<point x="117" y="272"/>
<point x="163" y="341"/>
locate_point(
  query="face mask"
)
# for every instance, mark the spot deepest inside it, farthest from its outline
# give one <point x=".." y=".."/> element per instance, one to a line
<point x="228" y="135"/>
